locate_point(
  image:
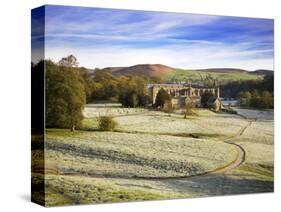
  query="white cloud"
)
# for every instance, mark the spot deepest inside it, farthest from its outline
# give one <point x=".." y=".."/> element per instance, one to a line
<point x="118" y="22"/>
<point x="102" y="38"/>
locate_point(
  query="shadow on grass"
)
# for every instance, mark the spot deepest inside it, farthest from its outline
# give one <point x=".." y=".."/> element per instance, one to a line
<point x="186" y="135"/>
<point x="220" y="185"/>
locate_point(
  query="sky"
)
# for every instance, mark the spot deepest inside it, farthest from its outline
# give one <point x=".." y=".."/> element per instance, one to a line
<point x="114" y="38"/>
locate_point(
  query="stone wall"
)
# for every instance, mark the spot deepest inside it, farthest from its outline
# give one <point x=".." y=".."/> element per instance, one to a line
<point x="180" y="90"/>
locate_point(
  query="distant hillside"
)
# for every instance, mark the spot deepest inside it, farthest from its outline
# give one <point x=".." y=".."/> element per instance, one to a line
<point x="113" y="69"/>
<point x="152" y="70"/>
<point x="222" y="70"/>
<point x="263" y="72"/>
<point x="220" y="75"/>
<point x="175" y="75"/>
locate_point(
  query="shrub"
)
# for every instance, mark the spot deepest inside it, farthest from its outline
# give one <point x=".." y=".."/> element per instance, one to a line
<point x="106" y="123"/>
<point x="168" y="107"/>
<point x="189" y="110"/>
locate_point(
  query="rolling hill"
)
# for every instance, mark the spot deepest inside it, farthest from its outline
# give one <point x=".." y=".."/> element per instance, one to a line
<point x="151" y="70"/>
<point x="221" y="76"/>
<point x="170" y="74"/>
<point x="222" y="70"/>
<point x="263" y="72"/>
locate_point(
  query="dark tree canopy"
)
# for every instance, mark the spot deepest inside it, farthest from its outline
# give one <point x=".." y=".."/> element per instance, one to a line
<point x="205" y="97"/>
<point x="161" y="98"/>
<point x="104" y="86"/>
<point x="268" y="83"/>
<point x="232" y="89"/>
<point x="132" y="91"/>
<point x="65" y="96"/>
<point x="256" y="99"/>
<point x="87" y="81"/>
<point x="257" y="94"/>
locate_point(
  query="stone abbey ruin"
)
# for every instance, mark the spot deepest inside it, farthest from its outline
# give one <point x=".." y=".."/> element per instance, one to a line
<point x="182" y="94"/>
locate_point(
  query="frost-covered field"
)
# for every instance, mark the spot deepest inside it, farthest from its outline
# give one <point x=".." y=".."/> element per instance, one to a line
<point x="155" y="122"/>
<point x="95" y="110"/>
<point x="145" y="121"/>
<point x="260" y="114"/>
<point x="94" y="166"/>
<point x="258" y="142"/>
<point x="206" y="122"/>
<point x="144" y="155"/>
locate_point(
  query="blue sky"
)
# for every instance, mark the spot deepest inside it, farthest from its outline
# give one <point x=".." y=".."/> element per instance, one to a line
<point x="110" y="37"/>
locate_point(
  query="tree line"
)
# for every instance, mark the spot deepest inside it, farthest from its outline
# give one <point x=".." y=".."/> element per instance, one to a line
<point x="256" y="99"/>
<point x="256" y="94"/>
<point x="69" y="87"/>
<point x="130" y="91"/>
<point x="232" y="89"/>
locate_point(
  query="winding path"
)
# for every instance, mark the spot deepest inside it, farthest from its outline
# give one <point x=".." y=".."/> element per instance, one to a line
<point x="240" y="158"/>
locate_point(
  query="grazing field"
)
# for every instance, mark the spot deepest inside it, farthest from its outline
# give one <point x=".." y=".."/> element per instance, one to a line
<point x="180" y="75"/>
<point x="154" y="155"/>
<point x="135" y="155"/>
<point x="113" y="109"/>
<point x="258" y="142"/>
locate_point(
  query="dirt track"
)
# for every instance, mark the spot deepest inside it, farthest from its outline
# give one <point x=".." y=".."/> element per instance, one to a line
<point x="240" y="158"/>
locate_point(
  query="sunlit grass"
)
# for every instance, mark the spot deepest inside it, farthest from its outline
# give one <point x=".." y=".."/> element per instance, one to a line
<point x="84" y="166"/>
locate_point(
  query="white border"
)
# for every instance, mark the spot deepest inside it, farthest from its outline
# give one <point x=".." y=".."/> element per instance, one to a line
<point x="15" y="103"/>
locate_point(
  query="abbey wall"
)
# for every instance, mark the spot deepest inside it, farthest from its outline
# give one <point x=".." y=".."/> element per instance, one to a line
<point x="179" y="92"/>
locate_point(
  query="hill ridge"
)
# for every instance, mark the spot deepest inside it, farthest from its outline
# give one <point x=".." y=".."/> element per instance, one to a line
<point x="160" y="69"/>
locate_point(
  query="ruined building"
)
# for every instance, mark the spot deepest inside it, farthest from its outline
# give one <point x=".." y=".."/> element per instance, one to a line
<point x="182" y="94"/>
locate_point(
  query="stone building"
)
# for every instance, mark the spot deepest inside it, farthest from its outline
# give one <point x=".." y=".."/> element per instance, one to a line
<point x="214" y="103"/>
<point x="182" y="94"/>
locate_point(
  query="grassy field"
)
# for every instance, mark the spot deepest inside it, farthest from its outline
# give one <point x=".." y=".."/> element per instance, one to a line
<point x="152" y="155"/>
<point x="185" y="75"/>
<point x="258" y="141"/>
